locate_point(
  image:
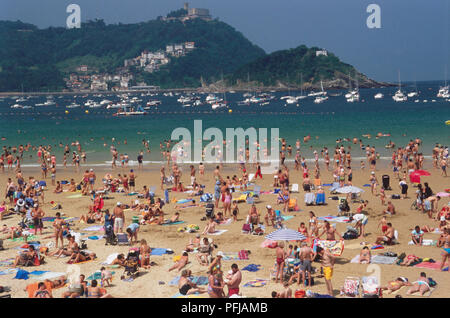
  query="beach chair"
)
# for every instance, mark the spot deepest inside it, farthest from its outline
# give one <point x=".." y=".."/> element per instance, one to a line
<point x="320" y="198"/>
<point x="310" y="198"/>
<point x="294" y="188"/>
<point x="122" y="239"/>
<point x="371" y="287"/>
<point x="292" y="206"/>
<point x="351" y="287"/>
<point x="334" y="187"/>
<point x="256" y="191"/>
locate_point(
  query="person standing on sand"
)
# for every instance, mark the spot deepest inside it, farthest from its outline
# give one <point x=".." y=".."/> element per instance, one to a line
<point x="37" y="214"/>
<point x="234" y="280"/>
<point x="281" y="255"/>
<point x="446" y="252"/>
<point x="132" y="178"/>
<point x="118" y="218"/>
<point x="163" y="177"/>
<point x="373" y="183"/>
<point x="330" y="231"/>
<point x="58" y="226"/>
<point x="328" y="261"/>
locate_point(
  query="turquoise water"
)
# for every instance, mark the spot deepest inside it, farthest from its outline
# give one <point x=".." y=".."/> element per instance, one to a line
<point x="335" y="118"/>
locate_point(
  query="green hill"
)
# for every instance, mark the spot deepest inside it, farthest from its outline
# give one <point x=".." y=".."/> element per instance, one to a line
<point x="288" y="67"/>
<point x="38" y="59"/>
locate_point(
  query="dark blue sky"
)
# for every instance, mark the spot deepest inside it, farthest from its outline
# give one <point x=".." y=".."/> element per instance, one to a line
<point x="414" y="34"/>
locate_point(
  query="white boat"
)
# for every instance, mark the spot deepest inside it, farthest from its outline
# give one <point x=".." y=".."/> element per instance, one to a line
<point x="21" y="99"/>
<point x="89" y="102"/>
<point x="320" y="99"/>
<point x="443" y="92"/>
<point x="46" y="103"/>
<point x="73" y="105"/>
<point x="291" y="100"/>
<point x="105" y="102"/>
<point x="378" y="96"/>
<point x="412" y="94"/>
<point x="218" y="105"/>
<point x="16" y="106"/>
<point x="130" y="111"/>
<point x="399" y="96"/>
<point x="153" y="103"/>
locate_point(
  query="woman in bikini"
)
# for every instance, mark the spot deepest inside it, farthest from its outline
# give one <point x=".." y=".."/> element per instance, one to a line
<point x="58" y="226"/>
<point x="421" y="285"/>
<point x="313" y="227"/>
<point x="227" y="202"/>
<point x="144" y="254"/>
<point x="365" y="256"/>
<point x="215" y="286"/>
<point x="185" y="286"/>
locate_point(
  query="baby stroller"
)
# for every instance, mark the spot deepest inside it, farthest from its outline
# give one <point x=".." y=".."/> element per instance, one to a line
<point x="386" y="185"/>
<point x="131" y="265"/>
<point x="343" y="207"/>
<point x="210" y="210"/>
<point x="110" y="237"/>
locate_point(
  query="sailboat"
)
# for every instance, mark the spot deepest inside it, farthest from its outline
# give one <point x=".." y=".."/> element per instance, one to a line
<point x="444" y="91"/>
<point x="399" y="96"/>
<point x="353" y="94"/>
<point x="415" y="93"/>
<point x="301" y="88"/>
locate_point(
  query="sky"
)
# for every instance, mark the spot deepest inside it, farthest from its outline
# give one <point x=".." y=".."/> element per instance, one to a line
<point x="413" y="38"/>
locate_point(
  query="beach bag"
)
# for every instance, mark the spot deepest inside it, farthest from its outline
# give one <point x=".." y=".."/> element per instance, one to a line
<point x="396" y="196"/>
<point x="350" y="235"/>
<point x="431" y="282"/>
<point x="300" y="293"/>
<point x="246" y="228"/>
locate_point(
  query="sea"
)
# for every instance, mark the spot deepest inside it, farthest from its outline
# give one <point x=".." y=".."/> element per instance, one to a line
<point x="96" y="129"/>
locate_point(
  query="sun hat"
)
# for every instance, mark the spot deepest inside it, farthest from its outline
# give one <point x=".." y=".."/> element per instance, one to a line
<point x="119" y="204"/>
<point x="269" y="207"/>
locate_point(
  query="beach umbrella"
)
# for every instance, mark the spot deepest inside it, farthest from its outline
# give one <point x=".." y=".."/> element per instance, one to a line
<point x="286" y="235"/>
<point x="349" y="189"/>
<point x="422" y="173"/>
<point x="443" y="194"/>
<point x="414" y="177"/>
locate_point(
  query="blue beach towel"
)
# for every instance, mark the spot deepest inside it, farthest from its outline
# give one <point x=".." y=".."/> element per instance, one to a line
<point x="22" y="274"/>
<point x="252" y="268"/>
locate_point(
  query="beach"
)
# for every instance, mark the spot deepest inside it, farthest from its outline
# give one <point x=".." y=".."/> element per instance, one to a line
<point x="154" y="282"/>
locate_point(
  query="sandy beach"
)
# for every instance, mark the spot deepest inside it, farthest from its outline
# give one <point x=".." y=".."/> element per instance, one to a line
<point x="148" y="284"/>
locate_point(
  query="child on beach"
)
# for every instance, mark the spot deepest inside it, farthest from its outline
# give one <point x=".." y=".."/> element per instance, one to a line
<point x="106" y="277"/>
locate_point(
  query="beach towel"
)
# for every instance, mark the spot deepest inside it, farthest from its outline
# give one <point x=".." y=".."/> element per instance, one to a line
<point x="252" y="268"/>
<point x="9" y="271"/>
<point x="217" y="232"/>
<point x="195" y="295"/>
<point x="94" y="228"/>
<point x="22" y="239"/>
<point x="380" y="259"/>
<point x="32" y="288"/>
<point x="174" y="223"/>
<point x="97" y="275"/>
<point x="158" y="251"/>
<point x="38" y="273"/>
<point x="256" y="283"/>
<point x="336" y="219"/>
<point x="335" y="247"/>
<point x="96" y="237"/>
<point x="22" y="274"/>
<point x="199" y="280"/>
<point x="110" y="259"/>
<point x="230" y="256"/>
<point x="425" y="243"/>
<point x="243" y="255"/>
<point x="287" y="217"/>
<point x="184" y="201"/>
<point x="428" y="265"/>
<point x="7" y="262"/>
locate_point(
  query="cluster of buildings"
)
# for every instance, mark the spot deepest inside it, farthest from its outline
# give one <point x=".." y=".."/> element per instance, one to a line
<point x="152" y="61"/>
<point x="192" y="13"/>
<point x="99" y="82"/>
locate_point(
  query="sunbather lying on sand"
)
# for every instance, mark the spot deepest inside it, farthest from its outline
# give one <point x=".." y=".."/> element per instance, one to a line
<point x="421" y="285"/>
<point x="365" y="256"/>
<point x="82" y="256"/>
<point x="181" y="263"/>
<point x="409" y="260"/>
<point x="210" y="227"/>
<point x="396" y="284"/>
